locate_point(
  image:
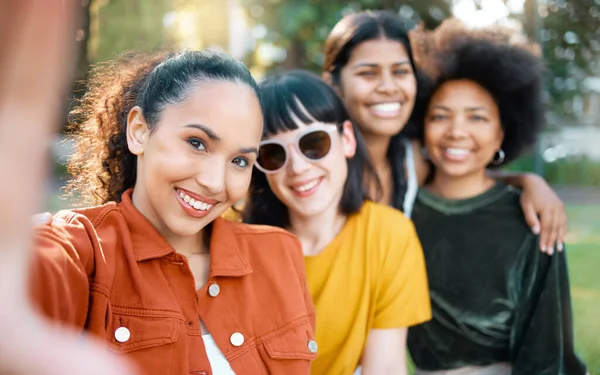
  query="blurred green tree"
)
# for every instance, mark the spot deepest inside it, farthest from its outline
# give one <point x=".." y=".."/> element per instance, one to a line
<point x="301" y="26"/>
<point x="569" y="31"/>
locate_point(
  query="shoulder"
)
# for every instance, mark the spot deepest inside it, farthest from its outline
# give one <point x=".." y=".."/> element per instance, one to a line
<point x="383" y="218"/>
<point x="80" y="230"/>
<point x="93" y="216"/>
<point x="265" y="240"/>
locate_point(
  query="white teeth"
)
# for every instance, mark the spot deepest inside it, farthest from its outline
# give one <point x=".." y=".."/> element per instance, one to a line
<point x="386" y="107"/>
<point x="198" y="205"/>
<point x="307" y="186"/>
<point x="457" y="151"/>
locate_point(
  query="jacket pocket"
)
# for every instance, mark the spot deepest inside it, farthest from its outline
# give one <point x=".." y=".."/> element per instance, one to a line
<point x="290" y="350"/>
<point x="137" y="329"/>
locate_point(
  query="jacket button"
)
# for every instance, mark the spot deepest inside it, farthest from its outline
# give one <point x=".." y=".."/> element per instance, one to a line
<point x="312" y="346"/>
<point x="214" y="290"/>
<point x="237" y="339"/>
<point x="122" y="334"/>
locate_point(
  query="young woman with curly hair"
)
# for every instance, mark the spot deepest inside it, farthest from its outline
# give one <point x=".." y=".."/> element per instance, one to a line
<point x="499" y="306"/>
<point x="150" y="267"/>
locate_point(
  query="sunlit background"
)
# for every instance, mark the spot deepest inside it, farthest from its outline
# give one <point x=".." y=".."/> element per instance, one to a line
<point x="270" y="35"/>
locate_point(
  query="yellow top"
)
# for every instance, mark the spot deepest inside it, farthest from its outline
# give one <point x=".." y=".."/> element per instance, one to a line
<point x="371" y="276"/>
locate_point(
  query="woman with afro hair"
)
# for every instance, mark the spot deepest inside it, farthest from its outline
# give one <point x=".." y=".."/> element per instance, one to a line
<point x="499" y="306"/>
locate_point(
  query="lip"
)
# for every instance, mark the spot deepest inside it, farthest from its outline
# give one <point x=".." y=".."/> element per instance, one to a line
<point x="198" y="197"/>
<point x="454" y="157"/>
<point x="190" y="210"/>
<point x="308" y="193"/>
<point x="386" y="115"/>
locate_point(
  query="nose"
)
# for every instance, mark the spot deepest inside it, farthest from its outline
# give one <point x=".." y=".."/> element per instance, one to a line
<point x="296" y="163"/>
<point x="212" y="175"/>
<point x="457" y="128"/>
<point x="387" y="84"/>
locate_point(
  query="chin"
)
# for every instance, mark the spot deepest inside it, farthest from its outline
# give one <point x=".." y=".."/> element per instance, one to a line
<point x="456" y="171"/>
<point x="311" y="210"/>
<point x="386" y="127"/>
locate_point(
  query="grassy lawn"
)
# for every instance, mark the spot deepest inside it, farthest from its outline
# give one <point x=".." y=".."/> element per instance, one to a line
<point x="583" y="244"/>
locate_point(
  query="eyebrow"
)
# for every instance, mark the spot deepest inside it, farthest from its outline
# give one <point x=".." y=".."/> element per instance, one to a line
<point x="214" y="137"/>
<point x="468" y="109"/>
<point x="374" y="65"/>
<point x="209" y="132"/>
<point x="248" y="150"/>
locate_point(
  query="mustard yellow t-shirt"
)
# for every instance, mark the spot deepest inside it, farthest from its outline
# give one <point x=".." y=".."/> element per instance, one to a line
<point x="371" y="276"/>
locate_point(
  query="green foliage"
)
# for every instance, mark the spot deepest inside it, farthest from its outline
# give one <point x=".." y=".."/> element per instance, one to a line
<point x="572" y="171"/>
<point x="121" y="25"/>
<point x="301" y="26"/>
<point x="569" y="31"/>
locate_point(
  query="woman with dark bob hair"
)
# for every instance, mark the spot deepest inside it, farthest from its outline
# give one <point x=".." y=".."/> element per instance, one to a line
<point x="369" y="62"/>
<point x="363" y="260"/>
<point x="499" y="306"/>
<point x="149" y="267"/>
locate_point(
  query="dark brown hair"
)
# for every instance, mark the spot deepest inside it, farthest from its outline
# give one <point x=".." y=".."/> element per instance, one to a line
<point x="349" y="33"/>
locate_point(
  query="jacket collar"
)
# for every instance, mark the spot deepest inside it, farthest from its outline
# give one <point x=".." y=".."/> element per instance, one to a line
<point x="228" y="256"/>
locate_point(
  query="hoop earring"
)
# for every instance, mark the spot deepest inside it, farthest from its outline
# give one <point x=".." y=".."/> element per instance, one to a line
<point x="424" y="153"/>
<point x="498" y="157"/>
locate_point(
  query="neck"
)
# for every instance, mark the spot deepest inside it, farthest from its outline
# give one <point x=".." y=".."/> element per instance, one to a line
<point x="316" y="232"/>
<point x="463" y="187"/>
<point x="378" y="147"/>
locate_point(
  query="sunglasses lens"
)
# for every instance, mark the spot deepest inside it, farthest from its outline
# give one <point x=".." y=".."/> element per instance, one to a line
<point x="315" y="145"/>
<point x="271" y="156"/>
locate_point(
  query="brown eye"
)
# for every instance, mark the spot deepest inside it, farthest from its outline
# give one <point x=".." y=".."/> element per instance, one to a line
<point x="196" y="143"/>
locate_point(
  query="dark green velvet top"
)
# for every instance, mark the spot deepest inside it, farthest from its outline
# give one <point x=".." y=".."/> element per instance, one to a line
<point x="495" y="297"/>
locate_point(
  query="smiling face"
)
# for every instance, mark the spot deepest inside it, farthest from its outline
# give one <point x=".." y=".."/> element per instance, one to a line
<point x="310" y="187"/>
<point x="197" y="161"/>
<point x="379" y="87"/>
<point x="462" y="129"/>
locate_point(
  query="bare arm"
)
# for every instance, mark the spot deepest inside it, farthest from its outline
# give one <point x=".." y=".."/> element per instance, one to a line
<point x="544" y="211"/>
<point x="385" y="352"/>
<point x="34" y="71"/>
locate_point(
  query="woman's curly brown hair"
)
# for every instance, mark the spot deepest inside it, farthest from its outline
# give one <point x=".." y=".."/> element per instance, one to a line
<point x="102" y="166"/>
<point x="497" y="58"/>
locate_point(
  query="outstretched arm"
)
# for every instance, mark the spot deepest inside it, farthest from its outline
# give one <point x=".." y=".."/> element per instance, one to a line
<point x="35" y="61"/>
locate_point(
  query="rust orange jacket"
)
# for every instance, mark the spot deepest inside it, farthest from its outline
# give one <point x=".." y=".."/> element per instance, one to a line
<point x="108" y="272"/>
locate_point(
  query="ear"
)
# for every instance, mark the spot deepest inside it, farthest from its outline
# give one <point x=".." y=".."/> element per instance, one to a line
<point x="137" y="131"/>
<point x="500" y="137"/>
<point x="348" y="139"/>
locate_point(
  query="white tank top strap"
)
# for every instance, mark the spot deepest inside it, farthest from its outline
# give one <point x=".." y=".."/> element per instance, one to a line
<point x="218" y="362"/>
<point x="412" y="181"/>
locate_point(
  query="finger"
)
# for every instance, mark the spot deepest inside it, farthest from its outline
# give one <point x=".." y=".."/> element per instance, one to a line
<point x="555" y="234"/>
<point x="562" y="233"/>
<point x="547" y="228"/>
<point x="531" y="218"/>
<point x="42" y="219"/>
